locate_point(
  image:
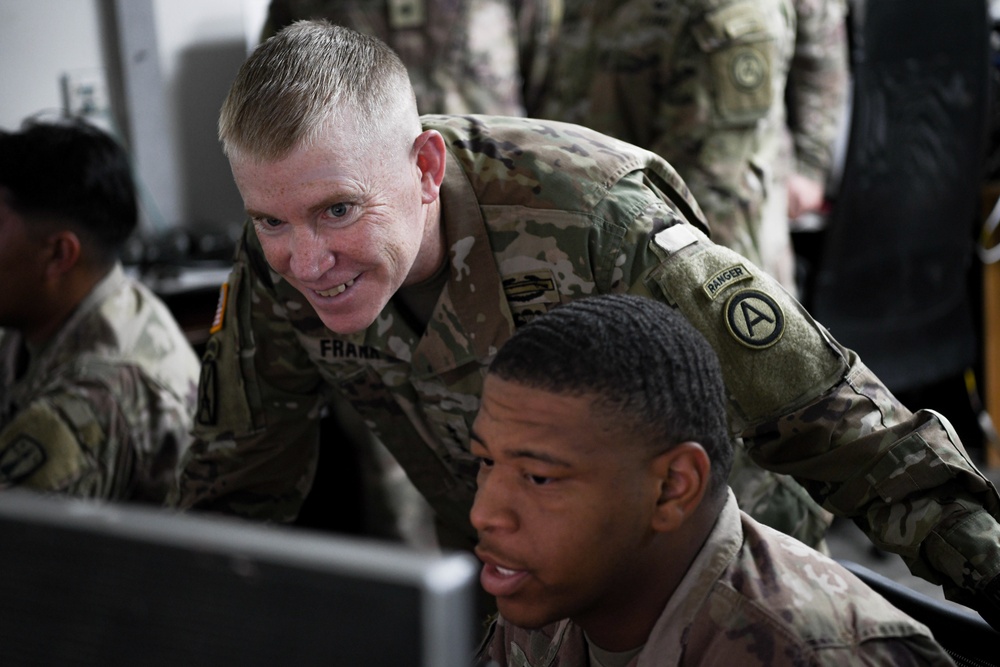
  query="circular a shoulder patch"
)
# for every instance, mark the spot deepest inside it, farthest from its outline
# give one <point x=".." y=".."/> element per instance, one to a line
<point x="754" y="319"/>
<point x="748" y="69"/>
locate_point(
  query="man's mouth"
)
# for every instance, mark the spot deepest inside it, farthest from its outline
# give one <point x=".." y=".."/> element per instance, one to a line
<point x="498" y="580"/>
<point x="339" y="289"/>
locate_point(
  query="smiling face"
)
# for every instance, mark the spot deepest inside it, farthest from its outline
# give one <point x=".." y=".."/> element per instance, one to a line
<point x="347" y="223"/>
<point x="564" y="511"/>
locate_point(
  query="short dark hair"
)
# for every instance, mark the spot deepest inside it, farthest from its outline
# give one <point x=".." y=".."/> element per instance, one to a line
<point x="646" y="366"/>
<point x="71" y="171"/>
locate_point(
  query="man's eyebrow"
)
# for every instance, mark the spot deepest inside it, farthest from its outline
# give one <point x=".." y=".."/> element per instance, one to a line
<point x="257" y="214"/>
<point x="327" y="202"/>
<point x="523" y="453"/>
<point x="539" y="456"/>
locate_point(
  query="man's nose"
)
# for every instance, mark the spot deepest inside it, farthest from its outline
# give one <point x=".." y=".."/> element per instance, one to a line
<point x="310" y="254"/>
<point x="493" y="507"/>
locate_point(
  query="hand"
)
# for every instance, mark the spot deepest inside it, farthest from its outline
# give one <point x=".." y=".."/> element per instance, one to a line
<point x="804" y="195"/>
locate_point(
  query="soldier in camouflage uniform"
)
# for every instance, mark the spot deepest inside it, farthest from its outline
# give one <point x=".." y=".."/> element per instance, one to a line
<point x="702" y="83"/>
<point x="606" y="529"/>
<point x="390" y="256"/>
<point x="474" y="56"/>
<point x="97" y="382"/>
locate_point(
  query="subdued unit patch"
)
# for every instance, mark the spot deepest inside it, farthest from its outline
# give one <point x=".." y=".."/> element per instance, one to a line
<point x="754" y="319"/>
<point x="725" y="278"/>
<point x="21" y="459"/>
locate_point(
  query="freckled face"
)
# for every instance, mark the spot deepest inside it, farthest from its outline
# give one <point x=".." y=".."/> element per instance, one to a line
<point x="345" y="225"/>
<point x="563" y="509"/>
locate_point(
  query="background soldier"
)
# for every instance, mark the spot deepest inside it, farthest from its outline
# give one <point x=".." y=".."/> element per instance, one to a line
<point x="97" y="381"/>
<point x="703" y="84"/>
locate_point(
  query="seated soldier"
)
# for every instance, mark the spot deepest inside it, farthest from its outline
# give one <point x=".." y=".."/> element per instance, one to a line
<point x="606" y="529"/>
<point x="97" y="382"/>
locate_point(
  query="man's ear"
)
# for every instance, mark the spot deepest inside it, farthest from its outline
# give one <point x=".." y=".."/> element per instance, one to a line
<point x="63" y="253"/>
<point x="431" y="157"/>
<point x="684" y="474"/>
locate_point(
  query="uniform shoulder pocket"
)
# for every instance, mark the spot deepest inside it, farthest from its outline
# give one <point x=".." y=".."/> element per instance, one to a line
<point x="739" y="43"/>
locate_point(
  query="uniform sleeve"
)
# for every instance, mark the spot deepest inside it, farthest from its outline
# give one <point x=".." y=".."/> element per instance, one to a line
<point x="717" y="87"/>
<point x="40" y="450"/>
<point x="259" y="403"/>
<point x="808" y="407"/>
<point x="77" y="439"/>
<point x="817" y="84"/>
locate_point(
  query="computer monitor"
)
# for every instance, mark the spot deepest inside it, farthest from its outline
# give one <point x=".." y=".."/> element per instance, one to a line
<point x="87" y="583"/>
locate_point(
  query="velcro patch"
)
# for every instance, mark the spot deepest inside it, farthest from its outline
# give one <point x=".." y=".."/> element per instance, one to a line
<point x="208" y="392"/>
<point x="21" y="459"/>
<point x="725" y="278"/>
<point x="748" y="69"/>
<point x="754" y="319"/>
<point x="675" y="237"/>
<point x="405" y="14"/>
<point x="531" y="287"/>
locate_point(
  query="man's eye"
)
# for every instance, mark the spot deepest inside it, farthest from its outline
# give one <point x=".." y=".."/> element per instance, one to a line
<point x="539" y="480"/>
<point x="338" y="210"/>
<point x="268" y="222"/>
<point x="485" y="462"/>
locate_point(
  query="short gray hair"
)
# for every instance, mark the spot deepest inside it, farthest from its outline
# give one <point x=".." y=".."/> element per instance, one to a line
<point x="293" y="84"/>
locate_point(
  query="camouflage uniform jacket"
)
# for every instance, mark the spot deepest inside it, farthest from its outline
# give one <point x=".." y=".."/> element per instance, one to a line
<point x="817" y="84"/>
<point x="536" y="213"/>
<point x="752" y="597"/>
<point x="702" y="84"/>
<point x="475" y="56"/>
<point x="104" y="410"/>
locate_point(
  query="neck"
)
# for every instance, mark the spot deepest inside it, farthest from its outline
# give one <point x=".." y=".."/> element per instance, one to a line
<point x="432" y="253"/>
<point x="625" y="621"/>
<point x="60" y="301"/>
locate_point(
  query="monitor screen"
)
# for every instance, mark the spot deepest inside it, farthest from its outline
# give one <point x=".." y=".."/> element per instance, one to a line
<point x="87" y="583"/>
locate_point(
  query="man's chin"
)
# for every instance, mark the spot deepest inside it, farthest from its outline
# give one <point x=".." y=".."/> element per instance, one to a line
<point x="346" y="326"/>
<point x="526" y="617"/>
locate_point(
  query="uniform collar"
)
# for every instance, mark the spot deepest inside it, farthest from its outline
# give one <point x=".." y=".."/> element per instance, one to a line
<point x="471" y="318"/>
<point x="666" y="645"/>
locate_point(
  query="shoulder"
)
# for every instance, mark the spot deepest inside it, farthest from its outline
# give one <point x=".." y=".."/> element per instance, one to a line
<point x="142" y="334"/>
<point x="808" y="602"/>
<point x="537" y="163"/>
<point x="541" y="164"/>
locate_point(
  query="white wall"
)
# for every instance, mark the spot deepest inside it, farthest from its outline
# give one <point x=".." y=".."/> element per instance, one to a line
<point x="200" y="45"/>
<point x="39" y="41"/>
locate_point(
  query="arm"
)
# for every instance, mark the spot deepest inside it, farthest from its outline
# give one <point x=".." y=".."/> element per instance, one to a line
<point x="808" y="407"/>
<point x="816" y="96"/>
<point x="817" y="84"/>
<point x="719" y="120"/>
<point x="537" y="31"/>
<point x="260" y="399"/>
<point x="104" y="434"/>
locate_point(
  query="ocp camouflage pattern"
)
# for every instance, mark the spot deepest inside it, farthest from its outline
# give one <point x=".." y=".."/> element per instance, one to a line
<point x="105" y="408"/>
<point x="752" y="597"/>
<point x="702" y="83"/>
<point x="538" y="213"/>
<point x="470" y="56"/>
